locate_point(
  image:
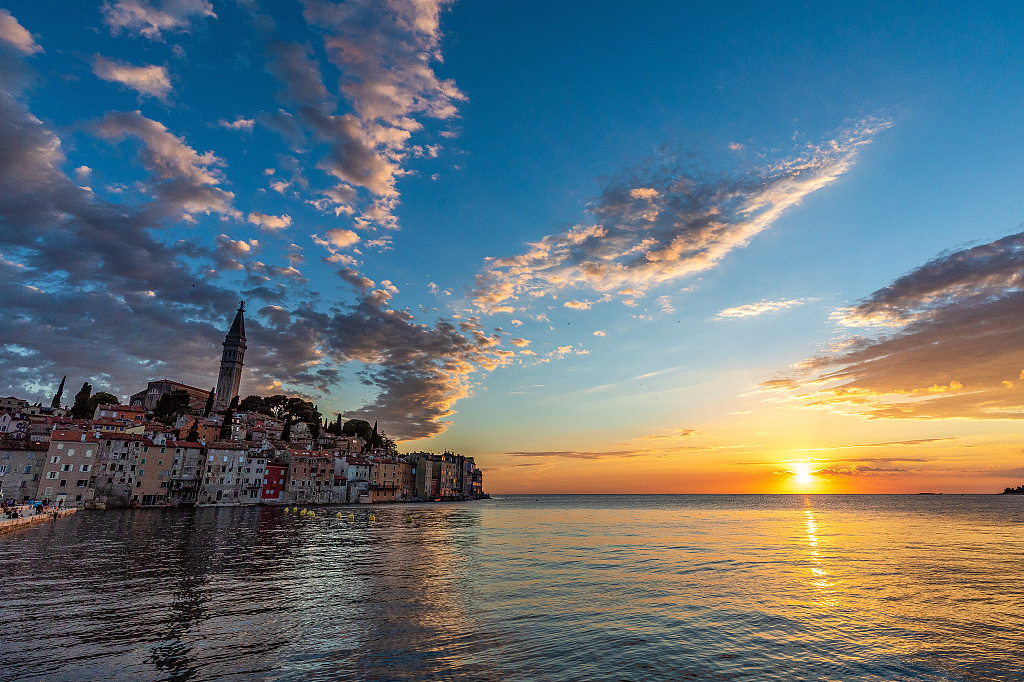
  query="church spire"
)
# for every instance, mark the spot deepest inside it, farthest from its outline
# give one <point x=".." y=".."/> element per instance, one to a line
<point x="231" y="361"/>
<point x="238" y="326"/>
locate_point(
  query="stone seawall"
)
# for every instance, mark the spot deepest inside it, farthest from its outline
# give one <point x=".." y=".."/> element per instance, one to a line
<point x="7" y="525"/>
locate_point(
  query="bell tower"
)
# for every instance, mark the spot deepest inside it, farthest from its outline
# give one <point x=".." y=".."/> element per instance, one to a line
<point x="231" y="361"/>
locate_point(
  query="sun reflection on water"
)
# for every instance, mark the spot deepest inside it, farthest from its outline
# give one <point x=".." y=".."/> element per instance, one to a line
<point x="820" y="578"/>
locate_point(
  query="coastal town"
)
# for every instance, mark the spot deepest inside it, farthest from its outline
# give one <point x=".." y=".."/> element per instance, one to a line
<point x="172" y="444"/>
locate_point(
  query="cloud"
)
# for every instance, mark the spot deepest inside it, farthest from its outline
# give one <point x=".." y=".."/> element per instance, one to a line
<point x="240" y="123"/>
<point x="150" y="80"/>
<point x="109" y="281"/>
<point x="337" y="238"/>
<point x="600" y="332"/>
<point x="752" y="309"/>
<point x="142" y="18"/>
<point x="383" y="50"/>
<point x="270" y="223"/>
<point x="578" y="305"/>
<point x="14" y="34"/>
<point x="663" y="222"/>
<point x="184" y="182"/>
<point x="519" y="343"/>
<point x="577" y="454"/>
<point x="949" y="346"/>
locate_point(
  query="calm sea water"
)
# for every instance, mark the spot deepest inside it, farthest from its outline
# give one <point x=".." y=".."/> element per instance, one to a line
<point x="525" y="588"/>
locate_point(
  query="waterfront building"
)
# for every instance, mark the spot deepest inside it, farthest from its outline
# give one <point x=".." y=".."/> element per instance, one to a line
<point x="152" y="474"/>
<point x="21" y="463"/>
<point x="186" y="472"/>
<point x="357" y="478"/>
<point x="253" y="473"/>
<point x="310" y="477"/>
<point x="275" y="479"/>
<point x="387" y="479"/>
<point x="222" y="476"/>
<point x="67" y="475"/>
<point x="231" y="362"/>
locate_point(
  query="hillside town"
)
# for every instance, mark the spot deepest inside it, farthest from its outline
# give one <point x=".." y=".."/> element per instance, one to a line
<point x="173" y="444"/>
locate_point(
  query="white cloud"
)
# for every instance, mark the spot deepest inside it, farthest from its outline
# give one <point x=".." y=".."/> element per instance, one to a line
<point x="240" y="123"/>
<point x="664" y="223"/>
<point x="142" y="18"/>
<point x="270" y="223"/>
<point x="760" y="308"/>
<point x="15" y="35"/>
<point x="150" y="80"/>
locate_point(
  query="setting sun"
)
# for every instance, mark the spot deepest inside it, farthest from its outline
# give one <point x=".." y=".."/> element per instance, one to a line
<point x="802" y="473"/>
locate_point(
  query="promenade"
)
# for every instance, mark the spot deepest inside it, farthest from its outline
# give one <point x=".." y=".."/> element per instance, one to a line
<point x="8" y="525"/>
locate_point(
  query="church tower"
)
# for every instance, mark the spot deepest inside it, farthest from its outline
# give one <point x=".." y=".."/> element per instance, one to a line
<point x="231" y="362"/>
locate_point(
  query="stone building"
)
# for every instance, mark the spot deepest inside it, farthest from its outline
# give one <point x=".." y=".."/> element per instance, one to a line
<point x="21" y="463"/>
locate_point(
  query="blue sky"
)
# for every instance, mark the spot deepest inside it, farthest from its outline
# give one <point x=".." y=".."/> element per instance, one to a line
<point x="685" y="243"/>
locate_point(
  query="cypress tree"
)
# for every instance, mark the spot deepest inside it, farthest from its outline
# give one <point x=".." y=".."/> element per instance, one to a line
<point x="193" y="431"/>
<point x="286" y="432"/>
<point x="229" y="416"/>
<point x="80" y="410"/>
<point x="55" y="403"/>
<point x="209" y="402"/>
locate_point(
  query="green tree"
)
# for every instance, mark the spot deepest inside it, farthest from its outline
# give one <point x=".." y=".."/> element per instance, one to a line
<point x="357" y="427"/>
<point x="252" y="403"/>
<point x="101" y="398"/>
<point x="170" y="406"/>
<point x="193" y="431"/>
<point x="208" y="410"/>
<point x="80" y="410"/>
<point x="229" y="416"/>
<point x="286" y="432"/>
<point x="55" y="403"/>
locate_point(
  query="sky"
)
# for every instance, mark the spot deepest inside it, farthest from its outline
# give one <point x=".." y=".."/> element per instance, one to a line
<point x="651" y="247"/>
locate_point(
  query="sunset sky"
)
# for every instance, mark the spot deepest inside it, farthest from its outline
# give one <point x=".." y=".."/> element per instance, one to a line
<point x="602" y="247"/>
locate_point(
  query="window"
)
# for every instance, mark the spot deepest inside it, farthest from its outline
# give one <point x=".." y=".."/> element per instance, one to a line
<point x="82" y="482"/>
<point x="66" y="467"/>
<point x="55" y="459"/>
<point x="141" y="472"/>
<point x="28" y="469"/>
<point x="71" y="451"/>
<point x="85" y="467"/>
<point x="159" y="462"/>
<point x="63" y="483"/>
<point x="142" y="461"/>
<point x="88" y="453"/>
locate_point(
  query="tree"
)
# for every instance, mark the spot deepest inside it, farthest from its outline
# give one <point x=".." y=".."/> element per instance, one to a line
<point x="208" y="410"/>
<point x="171" y="405"/>
<point x="252" y="403"/>
<point x="80" y="410"/>
<point x="101" y="398"/>
<point x="357" y="427"/>
<point x="55" y="403"/>
<point x="229" y="415"/>
<point x="193" y="431"/>
<point x="286" y="432"/>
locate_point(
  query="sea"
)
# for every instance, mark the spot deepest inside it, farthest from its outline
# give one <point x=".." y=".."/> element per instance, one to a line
<point x="552" y="587"/>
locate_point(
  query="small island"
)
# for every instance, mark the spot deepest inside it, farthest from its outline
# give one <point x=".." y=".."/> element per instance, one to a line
<point x="1019" y="490"/>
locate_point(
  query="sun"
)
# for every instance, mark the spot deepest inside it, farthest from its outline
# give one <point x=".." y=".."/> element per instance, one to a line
<point x="802" y="473"/>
